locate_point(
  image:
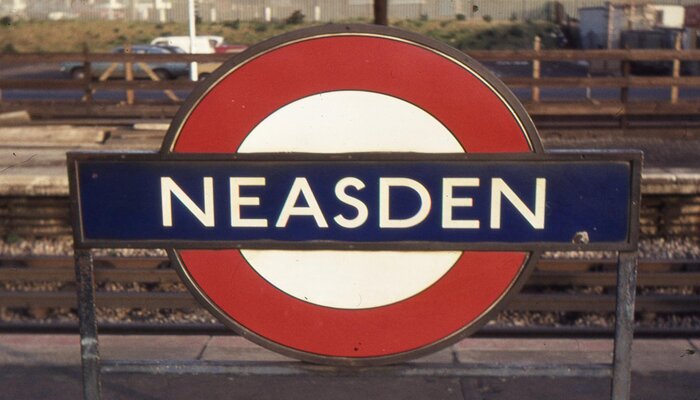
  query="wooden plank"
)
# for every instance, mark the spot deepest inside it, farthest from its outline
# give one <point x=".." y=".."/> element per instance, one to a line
<point x="129" y="77"/>
<point x="676" y="71"/>
<point x="536" y="71"/>
<point x="36" y="213"/>
<point x="101" y="109"/>
<point x="522" y="302"/>
<point x="64" y="275"/>
<point x="158" y="300"/>
<point x="42" y="84"/>
<point x="67" y="262"/>
<point x="649" y="265"/>
<point x="56" y="136"/>
<point x="43" y="58"/>
<point x="72" y="84"/>
<point x="611" y="108"/>
<point x="602" y="81"/>
<point x="151" y="109"/>
<point x="603" y="303"/>
<point x="539" y="278"/>
<point x="482" y="55"/>
<point x="152" y="75"/>
<point x="155" y="262"/>
<point x="609" y="279"/>
<point x="583" y="55"/>
<point x="21" y="116"/>
<point x="512" y="81"/>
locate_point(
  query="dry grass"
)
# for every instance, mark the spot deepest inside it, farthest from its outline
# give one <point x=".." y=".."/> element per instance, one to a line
<point x="99" y="36"/>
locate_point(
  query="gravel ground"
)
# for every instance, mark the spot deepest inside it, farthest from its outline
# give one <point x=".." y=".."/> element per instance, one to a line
<point x="655" y="248"/>
<point x="676" y="248"/>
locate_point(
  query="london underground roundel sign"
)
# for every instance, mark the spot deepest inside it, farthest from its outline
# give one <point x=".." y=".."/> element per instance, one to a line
<point x="354" y="195"/>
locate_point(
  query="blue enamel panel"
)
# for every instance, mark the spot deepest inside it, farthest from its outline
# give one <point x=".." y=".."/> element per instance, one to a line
<point x="120" y="200"/>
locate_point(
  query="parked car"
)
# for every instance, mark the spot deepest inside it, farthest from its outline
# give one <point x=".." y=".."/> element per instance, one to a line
<point x="207" y="68"/>
<point x="222" y="47"/>
<point x="164" y="70"/>
<point x="230" y="48"/>
<point x="202" y="44"/>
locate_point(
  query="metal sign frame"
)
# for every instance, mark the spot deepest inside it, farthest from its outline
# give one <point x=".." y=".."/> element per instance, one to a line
<point x="620" y="369"/>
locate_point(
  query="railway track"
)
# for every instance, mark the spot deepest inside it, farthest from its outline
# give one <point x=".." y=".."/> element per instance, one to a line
<point x="673" y="124"/>
<point x="34" y="286"/>
<point x="188" y="328"/>
<point x="556" y="285"/>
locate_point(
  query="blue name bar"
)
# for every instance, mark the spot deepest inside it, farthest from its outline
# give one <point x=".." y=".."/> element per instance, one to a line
<point x="555" y="202"/>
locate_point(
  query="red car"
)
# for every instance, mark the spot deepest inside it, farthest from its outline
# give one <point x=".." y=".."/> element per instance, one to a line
<point x="230" y="48"/>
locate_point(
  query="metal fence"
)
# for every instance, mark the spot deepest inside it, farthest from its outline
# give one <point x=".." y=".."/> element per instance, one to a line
<point x="316" y="10"/>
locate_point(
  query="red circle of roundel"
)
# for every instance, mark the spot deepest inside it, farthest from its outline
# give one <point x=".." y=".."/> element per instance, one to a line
<point x="463" y="102"/>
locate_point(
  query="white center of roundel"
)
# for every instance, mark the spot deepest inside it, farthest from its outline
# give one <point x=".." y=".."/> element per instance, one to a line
<point x="345" y="122"/>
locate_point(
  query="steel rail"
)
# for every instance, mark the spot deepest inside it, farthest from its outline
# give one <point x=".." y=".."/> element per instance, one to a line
<point x="217" y="329"/>
<point x="555" y="285"/>
<point x="550" y="273"/>
<point x="541" y="302"/>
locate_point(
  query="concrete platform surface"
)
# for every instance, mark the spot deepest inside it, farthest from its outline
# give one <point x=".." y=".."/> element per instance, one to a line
<point x="48" y="366"/>
<point x="33" y="157"/>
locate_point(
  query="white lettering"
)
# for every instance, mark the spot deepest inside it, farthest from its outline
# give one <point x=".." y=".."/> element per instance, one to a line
<point x="449" y="202"/>
<point x="301" y="187"/>
<point x="237" y="201"/>
<point x="385" y="185"/>
<point x="499" y="187"/>
<point x="168" y="187"/>
<point x="361" y="208"/>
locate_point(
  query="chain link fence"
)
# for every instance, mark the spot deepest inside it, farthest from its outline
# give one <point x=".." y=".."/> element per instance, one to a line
<point x="315" y="10"/>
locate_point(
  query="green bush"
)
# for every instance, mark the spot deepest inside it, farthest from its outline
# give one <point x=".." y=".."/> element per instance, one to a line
<point x="30" y="36"/>
<point x="494" y="37"/>
<point x="516" y="31"/>
<point x="12" y="238"/>
<point x="296" y="18"/>
<point x="414" y="23"/>
<point x="461" y="17"/>
<point x="235" y="25"/>
<point x="9" y="48"/>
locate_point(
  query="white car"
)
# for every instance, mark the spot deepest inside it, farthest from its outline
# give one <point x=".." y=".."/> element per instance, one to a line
<point x="202" y="44"/>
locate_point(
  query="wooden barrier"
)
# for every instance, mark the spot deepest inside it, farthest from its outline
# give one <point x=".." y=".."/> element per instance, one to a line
<point x="536" y="81"/>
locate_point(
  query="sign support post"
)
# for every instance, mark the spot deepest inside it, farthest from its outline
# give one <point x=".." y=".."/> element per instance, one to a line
<point x="89" y="349"/>
<point x="621" y="366"/>
<point x="624" y="325"/>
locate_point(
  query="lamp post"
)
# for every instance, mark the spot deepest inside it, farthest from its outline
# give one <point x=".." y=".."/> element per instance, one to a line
<point x="381" y="12"/>
<point x="191" y="17"/>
